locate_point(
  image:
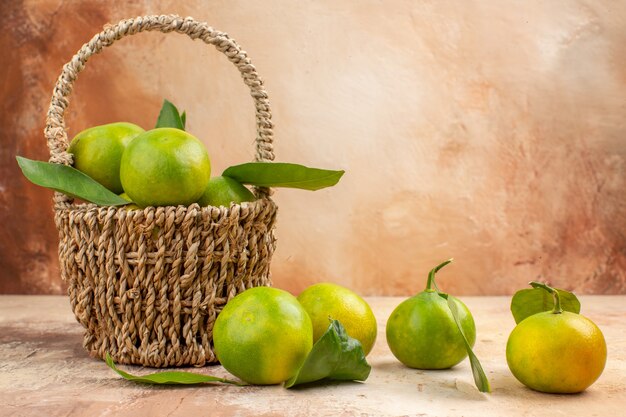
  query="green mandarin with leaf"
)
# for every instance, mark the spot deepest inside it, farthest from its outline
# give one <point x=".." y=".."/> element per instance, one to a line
<point x="556" y="351"/>
<point x="433" y="330"/>
<point x="421" y="331"/>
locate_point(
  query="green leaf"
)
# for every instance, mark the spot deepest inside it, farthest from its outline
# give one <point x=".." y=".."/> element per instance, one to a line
<point x="281" y="174"/>
<point x="68" y="180"/>
<point x="169" y="377"/>
<point x="183" y="119"/>
<point x="531" y="301"/>
<point x="170" y="117"/>
<point x="480" y="379"/>
<point x="335" y="356"/>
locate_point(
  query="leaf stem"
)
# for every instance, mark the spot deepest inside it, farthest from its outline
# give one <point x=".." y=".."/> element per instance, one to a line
<point x="557" y="299"/>
<point x="431" y="275"/>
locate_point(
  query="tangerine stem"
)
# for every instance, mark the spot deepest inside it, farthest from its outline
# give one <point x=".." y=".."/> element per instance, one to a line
<point x="557" y="299"/>
<point x="431" y="275"/>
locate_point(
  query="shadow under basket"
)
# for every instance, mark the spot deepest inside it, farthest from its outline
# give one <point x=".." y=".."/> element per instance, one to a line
<point x="148" y="284"/>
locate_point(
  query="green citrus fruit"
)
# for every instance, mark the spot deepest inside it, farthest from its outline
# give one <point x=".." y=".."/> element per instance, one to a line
<point x="556" y="352"/>
<point x="221" y="191"/>
<point x="422" y="333"/>
<point x="98" y="151"/>
<point x="131" y="206"/>
<point x="263" y="336"/>
<point x="165" y="167"/>
<point x="326" y="300"/>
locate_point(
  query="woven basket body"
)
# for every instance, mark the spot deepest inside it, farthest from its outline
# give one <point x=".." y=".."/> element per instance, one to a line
<point x="148" y="284"/>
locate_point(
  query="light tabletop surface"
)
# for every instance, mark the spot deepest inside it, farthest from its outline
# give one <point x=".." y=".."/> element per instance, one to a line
<point x="44" y="371"/>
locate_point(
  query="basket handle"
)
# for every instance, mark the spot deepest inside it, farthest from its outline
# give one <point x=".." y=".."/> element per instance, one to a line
<point x="55" y="133"/>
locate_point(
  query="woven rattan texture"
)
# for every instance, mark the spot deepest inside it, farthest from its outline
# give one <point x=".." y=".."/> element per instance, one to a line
<point x="148" y="284"/>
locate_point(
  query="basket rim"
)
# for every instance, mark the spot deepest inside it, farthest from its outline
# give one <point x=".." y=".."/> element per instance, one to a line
<point x="86" y="207"/>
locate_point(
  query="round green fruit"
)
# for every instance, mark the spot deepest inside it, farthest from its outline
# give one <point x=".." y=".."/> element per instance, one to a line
<point x="422" y="333"/>
<point x="556" y="351"/>
<point x="326" y="300"/>
<point x="263" y="336"/>
<point x="98" y="152"/>
<point x="165" y="167"/>
<point x="131" y="206"/>
<point x="221" y="191"/>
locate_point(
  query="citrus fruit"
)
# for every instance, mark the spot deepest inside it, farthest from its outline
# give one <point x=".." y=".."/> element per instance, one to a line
<point x="221" y="191"/>
<point x="422" y="333"/>
<point x="325" y="300"/>
<point x="98" y="151"/>
<point x="165" y="167"/>
<point x="131" y="206"/>
<point x="263" y="336"/>
<point x="556" y="351"/>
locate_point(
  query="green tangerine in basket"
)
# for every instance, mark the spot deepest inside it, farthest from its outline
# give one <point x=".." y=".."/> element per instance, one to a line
<point x="98" y="152"/>
<point x="165" y="166"/>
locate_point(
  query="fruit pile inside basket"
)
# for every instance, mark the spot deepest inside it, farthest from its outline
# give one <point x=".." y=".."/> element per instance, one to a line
<point x="121" y="164"/>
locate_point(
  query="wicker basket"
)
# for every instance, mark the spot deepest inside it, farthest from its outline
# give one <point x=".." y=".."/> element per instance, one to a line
<point x="147" y="285"/>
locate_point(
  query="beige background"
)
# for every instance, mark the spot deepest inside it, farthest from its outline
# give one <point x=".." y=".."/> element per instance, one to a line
<point x="488" y="131"/>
